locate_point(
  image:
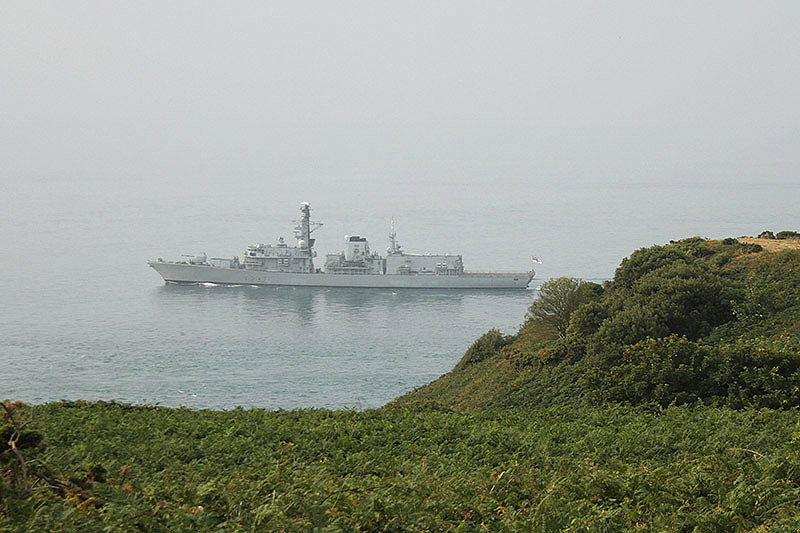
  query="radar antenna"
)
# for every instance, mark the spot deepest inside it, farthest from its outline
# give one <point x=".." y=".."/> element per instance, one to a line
<point x="394" y="246"/>
<point x="302" y="232"/>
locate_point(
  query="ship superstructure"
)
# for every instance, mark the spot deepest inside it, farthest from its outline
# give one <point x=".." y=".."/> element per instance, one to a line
<point x="355" y="266"/>
<point x="282" y="257"/>
<point x="357" y="259"/>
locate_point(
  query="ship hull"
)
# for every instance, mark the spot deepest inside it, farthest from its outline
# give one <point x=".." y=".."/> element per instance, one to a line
<point x="192" y="273"/>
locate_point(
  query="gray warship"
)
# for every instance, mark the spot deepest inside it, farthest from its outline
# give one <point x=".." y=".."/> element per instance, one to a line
<point x="355" y="266"/>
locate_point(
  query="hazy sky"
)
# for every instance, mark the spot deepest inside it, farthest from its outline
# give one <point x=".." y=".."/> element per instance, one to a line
<point x="401" y="93"/>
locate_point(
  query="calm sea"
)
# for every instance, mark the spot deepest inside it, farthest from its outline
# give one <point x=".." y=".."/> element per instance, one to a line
<point x="82" y="316"/>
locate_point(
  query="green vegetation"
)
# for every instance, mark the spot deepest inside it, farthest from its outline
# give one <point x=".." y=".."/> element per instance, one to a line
<point x="666" y="400"/>
<point x="152" y="469"/>
<point x="558" y="299"/>
<point x="781" y="235"/>
<point x="714" y="322"/>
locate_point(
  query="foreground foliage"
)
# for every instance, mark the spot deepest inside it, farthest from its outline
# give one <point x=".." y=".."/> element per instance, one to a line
<point x="588" y="469"/>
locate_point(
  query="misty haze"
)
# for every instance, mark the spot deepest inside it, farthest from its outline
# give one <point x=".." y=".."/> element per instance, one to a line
<point x="570" y="134"/>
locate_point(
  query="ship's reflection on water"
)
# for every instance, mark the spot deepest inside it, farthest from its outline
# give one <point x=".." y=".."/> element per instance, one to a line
<point x="306" y="302"/>
<point x="285" y="347"/>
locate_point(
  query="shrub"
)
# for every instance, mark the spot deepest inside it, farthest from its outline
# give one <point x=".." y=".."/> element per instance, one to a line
<point x="558" y="299"/>
<point x="586" y="320"/>
<point x="752" y="248"/>
<point x="643" y="261"/>
<point x="629" y="326"/>
<point x="667" y="370"/>
<point x="486" y="346"/>
<point x="759" y="372"/>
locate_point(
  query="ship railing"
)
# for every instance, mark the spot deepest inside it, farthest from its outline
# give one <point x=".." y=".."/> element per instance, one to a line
<point x="495" y="274"/>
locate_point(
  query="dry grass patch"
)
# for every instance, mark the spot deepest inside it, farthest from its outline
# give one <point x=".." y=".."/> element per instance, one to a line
<point x="772" y="245"/>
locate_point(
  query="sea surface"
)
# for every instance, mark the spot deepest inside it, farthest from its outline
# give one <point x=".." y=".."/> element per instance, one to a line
<point x="82" y="316"/>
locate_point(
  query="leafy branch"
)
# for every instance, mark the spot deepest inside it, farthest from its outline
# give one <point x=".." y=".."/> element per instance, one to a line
<point x="12" y="413"/>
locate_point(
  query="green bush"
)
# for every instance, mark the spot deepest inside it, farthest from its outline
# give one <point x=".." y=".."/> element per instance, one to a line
<point x="587" y="319"/>
<point x="487" y="345"/>
<point x="643" y="261"/>
<point x="558" y="298"/>
<point x="759" y="372"/>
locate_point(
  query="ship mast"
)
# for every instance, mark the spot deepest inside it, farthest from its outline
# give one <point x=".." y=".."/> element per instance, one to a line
<point x="302" y="233"/>
<point x="394" y="247"/>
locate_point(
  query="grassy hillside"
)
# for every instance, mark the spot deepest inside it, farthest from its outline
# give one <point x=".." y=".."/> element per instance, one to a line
<point x="111" y="467"/>
<point x="706" y="321"/>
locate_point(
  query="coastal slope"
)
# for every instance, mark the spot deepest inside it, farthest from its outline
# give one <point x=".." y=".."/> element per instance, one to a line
<point x="697" y="320"/>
